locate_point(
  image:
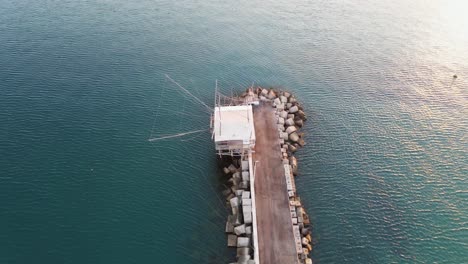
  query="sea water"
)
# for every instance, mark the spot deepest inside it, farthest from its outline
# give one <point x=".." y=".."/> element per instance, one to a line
<point x="83" y="88"/>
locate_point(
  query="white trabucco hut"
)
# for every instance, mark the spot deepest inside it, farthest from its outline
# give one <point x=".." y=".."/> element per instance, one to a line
<point x="233" y="129"/>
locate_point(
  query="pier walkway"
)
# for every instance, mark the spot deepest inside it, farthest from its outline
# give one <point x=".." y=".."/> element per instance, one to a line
<point x="276" y="241"/>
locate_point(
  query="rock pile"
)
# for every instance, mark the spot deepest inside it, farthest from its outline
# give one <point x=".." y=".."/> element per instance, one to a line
<point x="290" y="118"/>
<point x="239" y="223"/>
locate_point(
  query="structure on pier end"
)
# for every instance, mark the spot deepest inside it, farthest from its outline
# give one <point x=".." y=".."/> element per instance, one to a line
<point x="233" y="130"/>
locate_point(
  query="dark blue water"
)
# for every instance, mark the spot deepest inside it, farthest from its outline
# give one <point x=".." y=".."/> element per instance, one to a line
<point x="82" y="88"/>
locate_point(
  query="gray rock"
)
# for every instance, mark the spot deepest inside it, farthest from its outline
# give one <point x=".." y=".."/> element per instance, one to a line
<point x="247" y="218"/>
<point x="244" y="185"/>
<point x="232" y="168"/>
<point x="234" y="189"/>
<point x="229" y="227"/>
<point x="239" y="230"/>
<point x="299" y="122"/>
<point x="243" y="259"/>
<point x="289" y="122"/>
<point x="277" y="101"/>
<point x="291" y="129"/>
<point x="283" y="99"/>
<point x="293" y="137"/>
<point x="246" y="195"/>
<point x="230" y="196"/>
<point x="293" y="109"/>
<point x="271" y="95"/>
<point x="292" y="148"/>
<point x="245" y="165"/>
<point x="284" y="114"/>
<point x="248" y="230"/>
<point x="232" y="241"/>
<point x="245" y="176"/>
<point x="301" y="115"/>
<point x="247" y="208"/>
<point x="243" y="251"/>
<point x="243" y="242"/>
<point x="237" y="220"/>
<point x="234" y="202"/>
<point x="236" y="175"/>
<point x="281" y="121"/>
<point x="235" y="210"/>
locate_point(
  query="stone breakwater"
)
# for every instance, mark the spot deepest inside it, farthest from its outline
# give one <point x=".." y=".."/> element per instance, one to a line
<point x="290" y="118"/>
<point x="239" y="226"/>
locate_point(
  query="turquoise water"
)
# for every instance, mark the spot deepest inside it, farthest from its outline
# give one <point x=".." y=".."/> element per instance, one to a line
<point x="384" y="174"/>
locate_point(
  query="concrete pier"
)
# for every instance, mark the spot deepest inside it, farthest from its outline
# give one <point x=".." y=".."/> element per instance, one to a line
<point x="276" y="242"/>
<point x="267" y="222"/>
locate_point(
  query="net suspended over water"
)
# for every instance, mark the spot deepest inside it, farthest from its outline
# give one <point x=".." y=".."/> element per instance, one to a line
<point x="180" y="113"/>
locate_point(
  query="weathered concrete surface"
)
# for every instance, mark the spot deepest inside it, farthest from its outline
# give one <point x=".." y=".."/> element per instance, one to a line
<point x="275" y="233"/>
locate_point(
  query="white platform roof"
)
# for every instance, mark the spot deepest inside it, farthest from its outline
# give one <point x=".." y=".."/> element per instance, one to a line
<point x="234" y="123"/>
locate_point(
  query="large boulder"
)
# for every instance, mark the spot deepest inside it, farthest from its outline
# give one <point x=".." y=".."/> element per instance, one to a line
<point x="239" y="230"/>
<point x="232" y="168"/>
<point x="292" y="148"/>
<point x="232" y="240"/>
<point x="291" y="129"/>
<point x="299" y="122"/>
<point x="289" y="122"/>
<point x="271" y="95"/>
<point x="293" y="109"/>
<point x="243" y="242"/>
<point x="277" y="101"/>
<point x="283" y="114"/>
<point x="294" y="137"/>
<point x="234" y="202"/>
<point x="301" y="114"/>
